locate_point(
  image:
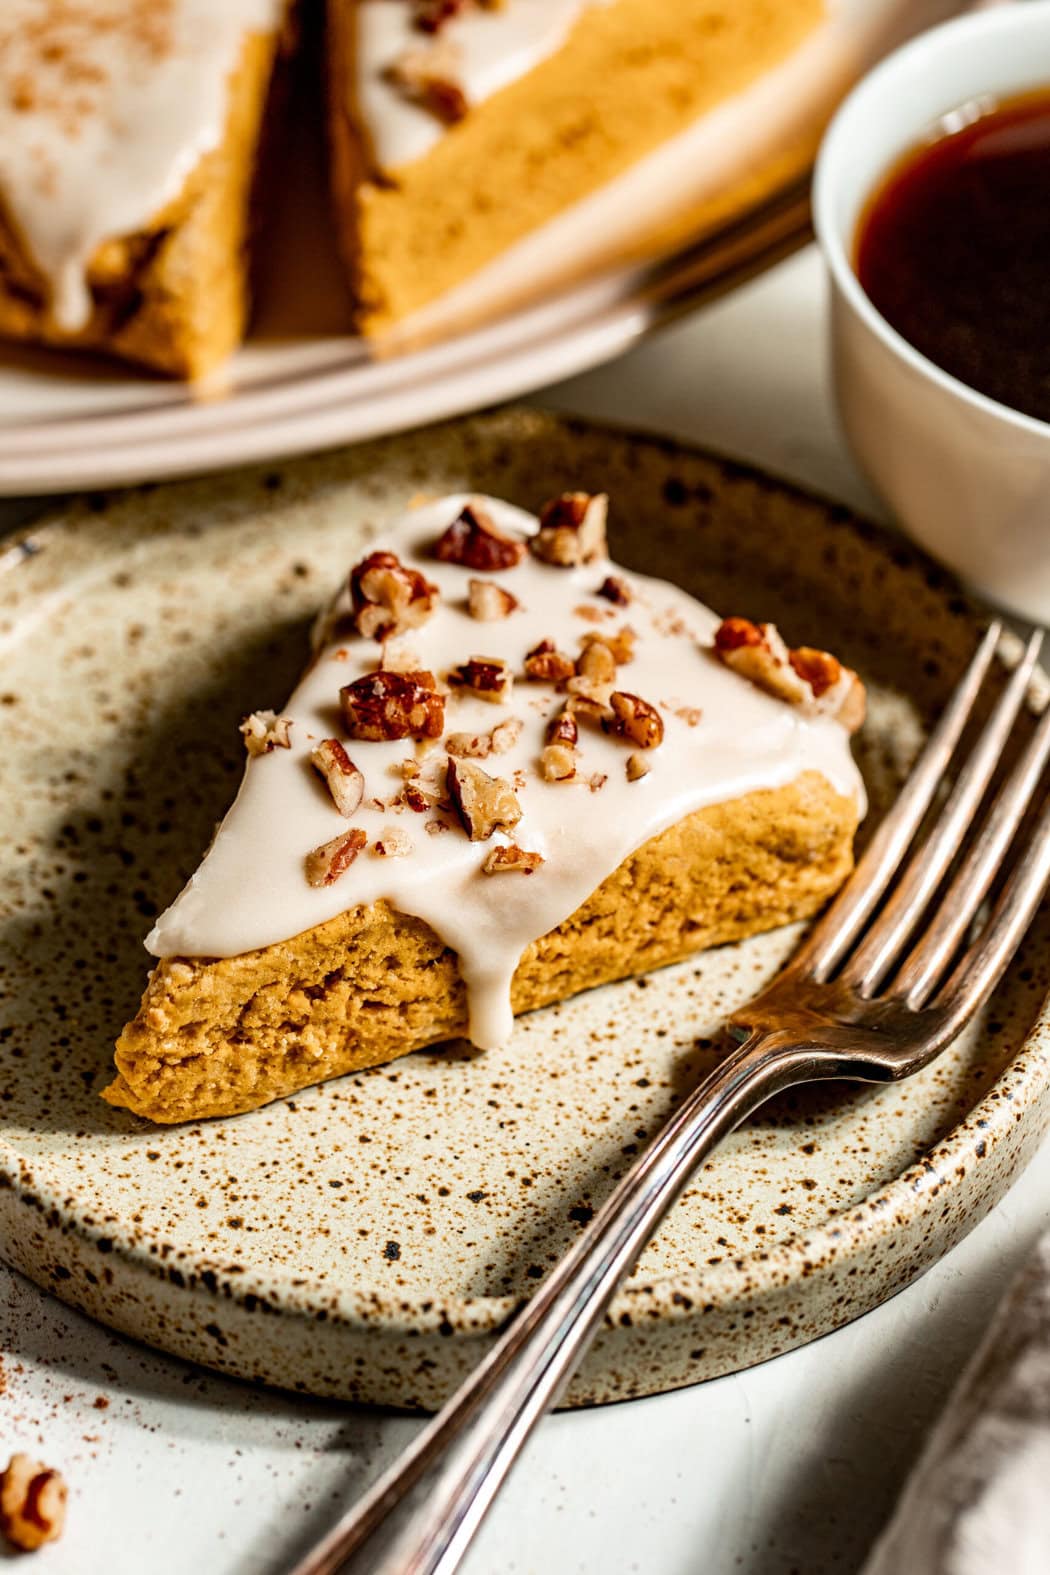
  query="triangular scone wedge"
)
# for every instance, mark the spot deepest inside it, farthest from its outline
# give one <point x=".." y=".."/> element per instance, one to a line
<point x="456" y="131"/>
<point x="495" y="786"/>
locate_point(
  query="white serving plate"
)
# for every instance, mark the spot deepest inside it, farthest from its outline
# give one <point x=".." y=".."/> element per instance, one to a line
<point x="302" y="383"/>
<point x="365" y="1238"/>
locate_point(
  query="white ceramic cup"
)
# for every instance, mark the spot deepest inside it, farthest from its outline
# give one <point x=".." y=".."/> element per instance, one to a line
<point x="967" y="477"/>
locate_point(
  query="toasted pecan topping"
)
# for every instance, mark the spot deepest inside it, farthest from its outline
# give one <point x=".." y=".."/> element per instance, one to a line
<point x="634" y="719"/>
<point x="388" y="597"/>
<point x="430" y="16"/>
<point x="345" y="782"/>
<point x="430" y="77"/>
<point x="812" y="679"/>
<point x="487" y="677"/>
<point x="558" y="762"/>
<point x="511" y="860"/>
<point x="572" y="529"/>
<point x="484" y="804"/>
<point x="638" y="766"/>
<point x="616" y="590"/>
<point x="562" y="728"/>
<point x="265" y="730"/>
<point x="489" y="602"/>
<point x="545" y="664"/>
<point x="325" y="864"/>
<point x="473" y="541"/>
<point x="589" y="706"/>
<point x="619" y="642"/>
<point x="32" y="1503"/>
<point x="415" y="798"/>
<point x="819" y="669"/>
<point x="392" y="843"/>
<point x="757" y="652"/>
<point x="475" y="746"/>
<point x="596" y="663"/>
<point x="385" y="705"/>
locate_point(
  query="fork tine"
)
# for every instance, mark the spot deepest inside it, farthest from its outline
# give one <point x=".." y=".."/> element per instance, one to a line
<point x="983" y="964"/>
<point x="919" y="975"/>
<point x="833" y="935"/>
<point x="881" y="946"/>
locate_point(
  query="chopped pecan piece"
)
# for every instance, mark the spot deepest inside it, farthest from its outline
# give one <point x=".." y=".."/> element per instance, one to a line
<point x="545" y="664"/>
<point x="489" y="602"/>
<point x="388" y="597"/>
<point x="619" y="644"/>
<point x="416" y="799"/>
<point x="837" y="691"/>
<point x="634" y="719"/>
<point x="476" y="746"/>
<point x="32" y="1503"/>
<point x="511" y="860"/>
<point x="429" y="77"/>
<point x="392" y="843"/>
<point x="385" y="705"/>
<point x="596" y="663"/>
<point x="325" y="864"/>
<point x="558" y="762"/>
<point x="572" y="529"/>
<point x="591" y="708"/>
<point x="616" y="590"/>
<point x="345" y="782"/>
<point x="484" y="804"/>
<point x="814" y="680"/>
<point x="637" y="766"/>
<point x="819" y="669"/>
<point x="487" y="677"/>
<point x="562" y="729"/>
<point x="757" y="652"/>
<point x="265" y="730"/>
<point x="590" y="689"/>
<point x="474" y="542"/>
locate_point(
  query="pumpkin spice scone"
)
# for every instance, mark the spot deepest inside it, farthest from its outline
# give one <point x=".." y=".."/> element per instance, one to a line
<point x="511" y="772"/>
<point x="459" y="126"/>
<point x="129" y="148"/>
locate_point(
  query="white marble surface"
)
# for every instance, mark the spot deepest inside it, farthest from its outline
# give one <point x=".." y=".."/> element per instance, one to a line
<point x="791" y="1467"/>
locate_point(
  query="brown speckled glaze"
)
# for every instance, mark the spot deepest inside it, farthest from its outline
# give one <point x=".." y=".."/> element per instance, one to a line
<point x="365" y="1238"/>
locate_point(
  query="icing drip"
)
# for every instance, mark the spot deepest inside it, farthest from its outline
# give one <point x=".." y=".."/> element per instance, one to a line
<point x="723" y="738"/>
<point x="490" y="48"/>
<point x="106" y="107"/>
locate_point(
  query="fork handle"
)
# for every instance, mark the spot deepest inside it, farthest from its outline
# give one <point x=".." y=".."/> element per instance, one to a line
<point x="421" y="1515"/>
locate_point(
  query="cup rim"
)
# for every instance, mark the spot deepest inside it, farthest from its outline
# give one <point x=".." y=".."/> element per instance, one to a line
<point x="875" y="87"/>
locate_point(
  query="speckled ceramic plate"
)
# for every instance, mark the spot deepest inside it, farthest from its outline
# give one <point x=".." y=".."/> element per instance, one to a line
<point x="365" y="1238"/>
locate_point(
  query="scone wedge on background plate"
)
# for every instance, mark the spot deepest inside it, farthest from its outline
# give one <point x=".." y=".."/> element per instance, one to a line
<point x="129" y="147"/>
<point x="512" y="771"/>
<point x="459" y="126"/>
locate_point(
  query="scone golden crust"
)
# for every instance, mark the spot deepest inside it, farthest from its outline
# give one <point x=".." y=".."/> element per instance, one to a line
<point x="418" y="215"/>
<point x="215" y="1037"/>
<point x="510" y="772"/>
<point x="173" y="294"/>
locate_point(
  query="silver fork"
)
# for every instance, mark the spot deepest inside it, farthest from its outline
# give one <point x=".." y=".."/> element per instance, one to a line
<point x="873" y="999"/>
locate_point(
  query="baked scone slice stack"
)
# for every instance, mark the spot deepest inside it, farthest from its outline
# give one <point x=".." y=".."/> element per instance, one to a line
<point x="459" y="126"/>
<point x="512" y="771"/>
<point x="129" y="141"/>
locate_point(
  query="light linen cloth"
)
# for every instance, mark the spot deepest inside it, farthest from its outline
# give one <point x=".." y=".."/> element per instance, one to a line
<point x="978" y="1503"/>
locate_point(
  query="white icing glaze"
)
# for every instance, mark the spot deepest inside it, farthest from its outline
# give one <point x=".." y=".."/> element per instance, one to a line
<point x="491" y="48"/>
<point x="251" y="890"/>
<point x="106" y="107"/>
